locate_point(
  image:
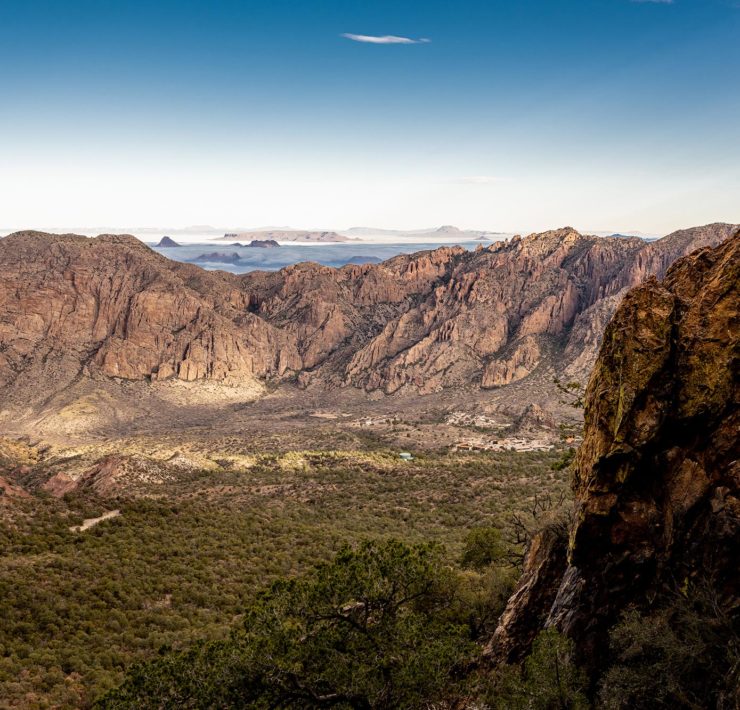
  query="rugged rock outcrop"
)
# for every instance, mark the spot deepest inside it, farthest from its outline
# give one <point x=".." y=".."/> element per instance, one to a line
<point x="167" y="242"/>
<point x="657" y="478"/>
<point x="524" y="358"/>
<point x="111" y="475"/>
<point x="74" y="307"/>
<point x="491" y="313"/>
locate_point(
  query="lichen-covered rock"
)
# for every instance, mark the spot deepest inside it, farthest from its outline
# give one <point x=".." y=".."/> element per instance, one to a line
<point x="657" y="478"/>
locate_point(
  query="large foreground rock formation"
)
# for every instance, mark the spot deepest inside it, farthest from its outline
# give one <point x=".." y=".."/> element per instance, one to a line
<point x="72" y="307"/>
<point x="657" y="478"/>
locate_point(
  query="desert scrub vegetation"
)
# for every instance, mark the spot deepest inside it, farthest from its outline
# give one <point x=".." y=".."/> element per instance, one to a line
<point x="383" y="625"/>
<point x="683" y="652"/>
<point x="377" y="627"/>
<point x="388" y="625"/>
<point x="549" y="679"/>
<point x="183" y="562"/>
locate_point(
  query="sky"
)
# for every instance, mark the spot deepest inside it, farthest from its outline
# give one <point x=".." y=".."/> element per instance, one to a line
<point x="514" y="115"/>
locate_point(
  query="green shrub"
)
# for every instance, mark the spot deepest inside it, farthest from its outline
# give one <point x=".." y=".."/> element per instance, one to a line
<point x="371" y="629"/>
<point x="549" y="680"/>
<point x="483" y="547"/>
<point x="685" y="654"/>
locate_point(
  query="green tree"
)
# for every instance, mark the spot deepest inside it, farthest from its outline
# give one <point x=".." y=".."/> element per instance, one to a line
<point x="483" y="547"/>
<point x="550" y="680"/>
<point x="374" y="628"/>
<point x="573" y="391"/>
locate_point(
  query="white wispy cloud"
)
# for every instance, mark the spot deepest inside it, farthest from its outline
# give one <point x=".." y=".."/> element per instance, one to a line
<point x="384" y="39"/>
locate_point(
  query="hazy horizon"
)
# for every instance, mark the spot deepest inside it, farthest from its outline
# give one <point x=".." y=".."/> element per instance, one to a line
<point x="368" y="234"/>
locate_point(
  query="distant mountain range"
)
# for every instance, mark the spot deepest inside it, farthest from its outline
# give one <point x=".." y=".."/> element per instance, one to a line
<point x="445" y="231"/>
<point x="292" y="234"/>
<point x="73" y="308"/>
<point x="627" y="235"/>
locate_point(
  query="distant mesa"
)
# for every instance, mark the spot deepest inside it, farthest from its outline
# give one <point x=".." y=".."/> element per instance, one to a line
<point x="291" y="235"/>
<point x="448" y="229"/>
<point x="364" y="260"/>
<point x="167" y="242"/>
<point x="217" y="257"/>
<point x="432" y="233"/>
<point x="263" y="244"/>
<point x="356" y="234"/>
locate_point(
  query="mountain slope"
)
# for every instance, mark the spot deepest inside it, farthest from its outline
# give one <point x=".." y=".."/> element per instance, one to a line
<point x="73" y="307"/>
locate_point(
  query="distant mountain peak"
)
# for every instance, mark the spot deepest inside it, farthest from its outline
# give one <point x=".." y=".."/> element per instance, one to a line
<point x="167" y="242"/>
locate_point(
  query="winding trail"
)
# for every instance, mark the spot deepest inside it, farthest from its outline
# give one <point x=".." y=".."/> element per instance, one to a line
<point x="91" y="522"/>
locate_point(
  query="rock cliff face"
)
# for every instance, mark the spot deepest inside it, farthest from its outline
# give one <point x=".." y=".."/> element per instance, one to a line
<point x="71" y="306"/>
<point x="451" y="318"/>
<point x="74" y="307"/>
<point x="657" y="478"/>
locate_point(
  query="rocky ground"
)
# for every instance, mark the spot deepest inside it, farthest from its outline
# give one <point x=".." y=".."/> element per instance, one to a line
<point x="148" y="431"/>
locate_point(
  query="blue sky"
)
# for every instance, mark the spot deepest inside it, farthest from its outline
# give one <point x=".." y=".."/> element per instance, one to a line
<point x="518" y="115"/>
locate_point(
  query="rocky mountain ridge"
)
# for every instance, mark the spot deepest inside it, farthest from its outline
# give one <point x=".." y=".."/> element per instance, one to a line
<point x="657" y="478"/>
<point x="74" y="307"/>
